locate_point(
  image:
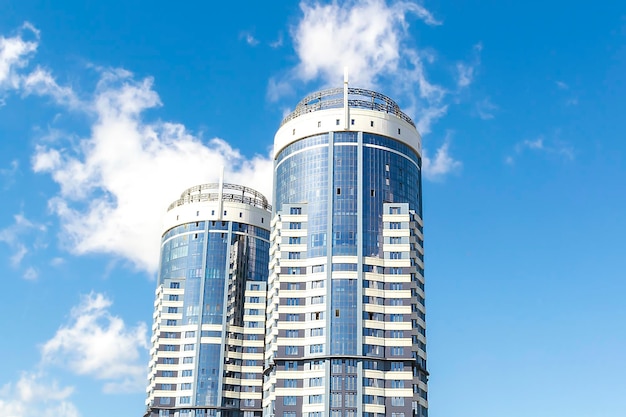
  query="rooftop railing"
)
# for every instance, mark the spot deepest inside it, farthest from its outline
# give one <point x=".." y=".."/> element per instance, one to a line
<point x="358" y="98"/>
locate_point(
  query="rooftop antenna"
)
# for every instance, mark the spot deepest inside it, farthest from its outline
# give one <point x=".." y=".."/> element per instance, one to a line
<point x="346" y="109"/>
<point x="220" y="194"/>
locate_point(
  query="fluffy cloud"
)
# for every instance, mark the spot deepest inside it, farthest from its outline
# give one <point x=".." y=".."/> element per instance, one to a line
<point x="100" y="345"/>
<point x="14" y="54"/>
<point x="371" y="38"/>
<point x="439" y="166"/>
<point x="116" y="184"/>
<point x="35" y="395"/>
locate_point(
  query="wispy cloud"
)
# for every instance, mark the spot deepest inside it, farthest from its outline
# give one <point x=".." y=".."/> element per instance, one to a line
<point x="441" y="165"/>
<point x="36" y="394"/>
<point x="98" y="344"/>
<point x="466" y="71"/>
<point x="249" y="38"/>
<point x="485" y="109"/>
<point x="16" y="234"/>
<point x="554" y="147"/>
<point x="14" y="54"/>
<point x="561" y="85"/>
<point x="278" y="42"/>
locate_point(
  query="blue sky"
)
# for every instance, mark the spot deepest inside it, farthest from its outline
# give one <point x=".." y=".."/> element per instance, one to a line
<point x="109" y="110"/>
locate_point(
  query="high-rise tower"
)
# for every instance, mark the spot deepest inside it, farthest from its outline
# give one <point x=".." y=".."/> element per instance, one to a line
<point x="345" y="315"/>
<point x="209" y="310"/>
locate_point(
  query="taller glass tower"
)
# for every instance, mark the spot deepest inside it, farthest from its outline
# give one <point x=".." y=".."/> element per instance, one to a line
<point x="209" y="309"/>
<point x="345" y="330"/>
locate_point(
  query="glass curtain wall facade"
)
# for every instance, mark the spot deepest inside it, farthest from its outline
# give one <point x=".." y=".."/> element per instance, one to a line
<point x="345" y="315"/>
<point x="208" y="322"/>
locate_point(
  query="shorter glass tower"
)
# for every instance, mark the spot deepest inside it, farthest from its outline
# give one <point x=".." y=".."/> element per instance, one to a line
<point x="209" y="309"/>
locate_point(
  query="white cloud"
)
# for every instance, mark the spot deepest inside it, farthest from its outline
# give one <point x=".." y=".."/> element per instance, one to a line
<point x="15" y="234"/>
<point x="561" y="85"/>
<point x="540" y="145"/>
<point x="372" y="39"/>
<point x="249" y="38"/>
<point x="34" y="394"/>
<point x="278" y="42"/>
<point x="31" y="274"/>
<point x="466" y="74"/>
<point x="365" y="36"/>
<point x="116" y="184"/>
<point x="99" y="344"/>
<point x="467" y="71"/>
<point x="14" y="54"/>
<point x="485" y="109"/>
<point x="441" y="165"/>
<point x="41" y="82"/>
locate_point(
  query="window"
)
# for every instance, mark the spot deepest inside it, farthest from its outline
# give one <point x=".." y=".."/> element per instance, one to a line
<point x="295" y="225"/>
<point x="317" y="284"/>
<point x="318" y="331"/>
<point x="166" y="387"/>
<point x="396" y="317"/>
<point x="190" y="334"/>
<point x="397" y="350"/>
<point x="395" y="255"/>
<point x="294" y="255"/>
<point x="289" y="414"/>
<point x="337" y="122"/>
<point x="254" y="299"/>
<point x="174" y="284"/>
<point x="169" y="348"/>
<point x="187" y="372"/>
<point x="294" y="240"/>
<point x="293" y="301"/>
<point x="397" y="401"/>
<point x="291" y="383"/>
<point x="169" y="361"/>
<point x="395" y="225"/>
<point x="173" y="297"/>
<point x="350" y="400"/>
<point x="186" y="385"/>
<point x="291" y="350"/>
<point x="395" y="240"/>
<point x="336" y="383"/>
<point x="291" y="366"/>
<point x="317" y="300"/>
<point x="172" y="309"/>
<point x="293" y="317"/>
<point x="317" y="268"/>
<point x="189" y="347"/>
<point x="397" y="383"/>
<point x="188" y="359"/>
<point x="170" y="335"/>
<point x="291" y="333"/>
<point x="316" y="382"/>
<point x="295" y="210"/>
<point x="350" y="382"/>
<point x="170" y="323"/>
<point x="315" y="399"/>
<point x="168" y="374"/>
<point x="165" y="400"/>
<point x="394" y="210"/>
<point x="397" y="366"/>
<point x="335" y="399"/>
<point x="318" y="348"/>
<point x="289" y="400"/>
